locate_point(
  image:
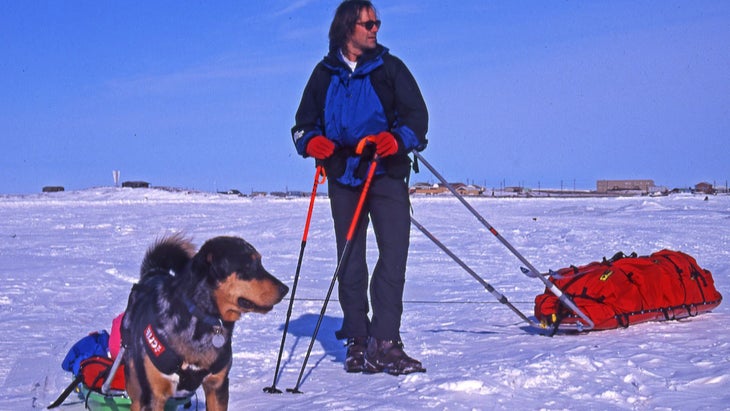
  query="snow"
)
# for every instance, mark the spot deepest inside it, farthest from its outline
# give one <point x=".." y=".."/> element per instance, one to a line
<point x="68" y="260"/>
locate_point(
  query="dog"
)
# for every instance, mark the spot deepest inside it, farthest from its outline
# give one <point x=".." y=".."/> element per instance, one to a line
<point x="177" y="327"/>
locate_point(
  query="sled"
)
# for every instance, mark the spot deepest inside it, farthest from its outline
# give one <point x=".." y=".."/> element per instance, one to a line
<point x="668" y="285"/>
<point x="98" y="379"/>
<point x="101" y="384"/>
<point x="96" y="401"/>
<point x="627" y="290"/>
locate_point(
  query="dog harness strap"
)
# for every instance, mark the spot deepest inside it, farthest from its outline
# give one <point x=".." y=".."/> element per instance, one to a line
<point x="223" y="359"/>
<point x="162" y="355"/>
<point x="158" y="349"/>
<point x="169" y="362"/>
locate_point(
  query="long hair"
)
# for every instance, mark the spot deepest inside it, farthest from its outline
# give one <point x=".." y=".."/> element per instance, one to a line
<point x="344" y="21"/>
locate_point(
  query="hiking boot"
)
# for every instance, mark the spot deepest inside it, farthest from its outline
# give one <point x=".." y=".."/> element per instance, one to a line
<point x="355" y="360"/>
<point x="388" y="356"/>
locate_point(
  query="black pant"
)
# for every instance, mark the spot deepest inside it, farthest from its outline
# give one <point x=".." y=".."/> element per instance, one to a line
<point x="388" y="206"/>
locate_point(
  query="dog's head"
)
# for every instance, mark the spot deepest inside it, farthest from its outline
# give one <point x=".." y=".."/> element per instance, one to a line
<point x="239" y="281"/>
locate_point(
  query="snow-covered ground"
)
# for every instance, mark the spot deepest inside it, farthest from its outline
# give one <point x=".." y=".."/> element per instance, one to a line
<point x="68" y="260"/>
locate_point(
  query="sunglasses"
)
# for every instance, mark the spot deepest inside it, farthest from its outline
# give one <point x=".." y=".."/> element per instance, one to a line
<point x="369" y="24"/>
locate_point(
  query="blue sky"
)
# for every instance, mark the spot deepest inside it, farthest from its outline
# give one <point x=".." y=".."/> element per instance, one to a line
<point x="202" y="94"/>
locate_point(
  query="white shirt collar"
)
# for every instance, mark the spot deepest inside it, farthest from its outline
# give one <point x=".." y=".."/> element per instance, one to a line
<point x="352" y="64"/>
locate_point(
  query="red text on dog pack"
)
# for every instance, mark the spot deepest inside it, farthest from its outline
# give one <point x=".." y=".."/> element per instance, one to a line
<point x="153" y="342"/>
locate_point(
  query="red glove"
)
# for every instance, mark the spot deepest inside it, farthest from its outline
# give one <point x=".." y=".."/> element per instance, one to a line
<point x="385" y="144"/>
<point x="320" y="147"/>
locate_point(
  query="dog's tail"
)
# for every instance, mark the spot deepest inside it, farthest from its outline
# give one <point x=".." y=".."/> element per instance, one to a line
<point x="170" y="253"/>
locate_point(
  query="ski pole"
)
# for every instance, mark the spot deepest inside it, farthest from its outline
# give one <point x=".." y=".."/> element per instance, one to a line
<point x="535" y="272"/>
<point x="340" y="264"/>
<point x="319" y="178"/>
<point x="113" y="371"/>
<point x="500" y="297"/>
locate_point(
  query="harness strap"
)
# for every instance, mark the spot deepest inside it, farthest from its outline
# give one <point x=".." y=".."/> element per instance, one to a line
<point x="222" y="361"/>
<point x="164" y="357"/>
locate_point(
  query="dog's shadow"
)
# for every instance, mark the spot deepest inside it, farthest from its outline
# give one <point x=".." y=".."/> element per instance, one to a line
<point x="300" y="331"/>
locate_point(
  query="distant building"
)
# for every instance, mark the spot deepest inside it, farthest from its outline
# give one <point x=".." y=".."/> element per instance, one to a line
<point x="432" y="189"/>
<point x="136" y="184"/>
<point x="426" y="188"/>
<point x="52" y="189"/>
<point x="233" y="192"/>
<point x="705" y="188"/>
<point x="607" y="186"/>
<point x="468" y="189"/>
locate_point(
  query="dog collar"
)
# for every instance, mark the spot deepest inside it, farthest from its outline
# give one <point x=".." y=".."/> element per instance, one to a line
<point x="215" y="323"/>
<point x="199" y="314"/>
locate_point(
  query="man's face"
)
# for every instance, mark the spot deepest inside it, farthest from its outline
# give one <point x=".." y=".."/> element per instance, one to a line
<point x="361" y="38"/>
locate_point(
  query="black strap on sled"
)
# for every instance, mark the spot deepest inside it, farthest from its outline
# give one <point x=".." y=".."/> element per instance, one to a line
<point x="102" y="376"/>
<point x="71" y="387"/>
<point x="622" y="320"/>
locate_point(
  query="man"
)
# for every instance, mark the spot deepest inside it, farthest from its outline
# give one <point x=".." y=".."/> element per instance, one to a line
<point x="359" y="91"/>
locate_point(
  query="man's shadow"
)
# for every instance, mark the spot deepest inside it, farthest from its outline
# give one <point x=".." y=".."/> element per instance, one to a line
<point x="300" y="332"/>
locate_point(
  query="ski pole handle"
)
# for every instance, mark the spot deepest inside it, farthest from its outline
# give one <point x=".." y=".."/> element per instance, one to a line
<point x="319" y="178"/>
<point x="363" y="194"/>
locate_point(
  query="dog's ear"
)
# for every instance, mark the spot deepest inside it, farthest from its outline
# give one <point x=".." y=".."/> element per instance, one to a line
<point x="199" y="264"/>
<point x="215" y="259"/>
<point x="220" y="257"/>
<point x="203" y="265"/>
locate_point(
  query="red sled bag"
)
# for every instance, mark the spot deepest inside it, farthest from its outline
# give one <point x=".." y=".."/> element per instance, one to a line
<point x="95" y="371"/>
<point x="626" y="290"/>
